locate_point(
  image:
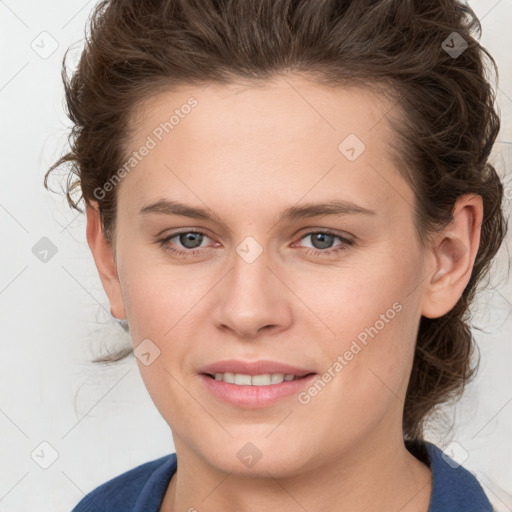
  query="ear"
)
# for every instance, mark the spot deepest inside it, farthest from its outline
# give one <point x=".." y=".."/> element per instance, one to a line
<point x="105" y="262"/>
<point x="454" y="250"/>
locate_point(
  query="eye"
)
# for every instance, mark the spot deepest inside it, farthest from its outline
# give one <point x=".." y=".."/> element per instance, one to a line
<point x="192" y="243"/>
<point x="190" y="240"/>
<point x="323" y="240"/>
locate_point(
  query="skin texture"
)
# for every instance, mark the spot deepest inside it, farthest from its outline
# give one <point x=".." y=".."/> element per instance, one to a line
<point x="247" y="153"/>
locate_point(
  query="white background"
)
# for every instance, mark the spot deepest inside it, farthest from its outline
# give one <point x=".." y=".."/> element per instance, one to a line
<point x="55" y="315"/>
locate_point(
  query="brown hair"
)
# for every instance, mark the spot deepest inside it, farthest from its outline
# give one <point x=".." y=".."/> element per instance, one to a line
<point x="414" y="51"/>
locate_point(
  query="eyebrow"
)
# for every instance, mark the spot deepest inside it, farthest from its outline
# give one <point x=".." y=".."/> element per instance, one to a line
<point x="334" y="207"/>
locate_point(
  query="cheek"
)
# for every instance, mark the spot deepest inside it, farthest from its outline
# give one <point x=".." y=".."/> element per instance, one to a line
<point x="372" y="313"/>
<point x="367" y="374"/>
<point x="379" y="355"/>
<point x="162" y="304"/>
<point x="159" y="299"/>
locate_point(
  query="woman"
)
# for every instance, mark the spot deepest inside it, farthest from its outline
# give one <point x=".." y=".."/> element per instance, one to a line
<point x="291" y="205"/>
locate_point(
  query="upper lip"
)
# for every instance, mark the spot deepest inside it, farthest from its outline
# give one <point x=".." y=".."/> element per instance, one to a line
<point x="253" y="368"/>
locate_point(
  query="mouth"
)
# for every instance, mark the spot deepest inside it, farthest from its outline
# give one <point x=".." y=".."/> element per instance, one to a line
<point x="238" y="371"/>
<point x="254" y="384"/>
<point x="264" y="379"/>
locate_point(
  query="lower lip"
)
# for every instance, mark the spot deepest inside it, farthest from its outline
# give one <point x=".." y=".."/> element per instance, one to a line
<point x="254" y="397"/>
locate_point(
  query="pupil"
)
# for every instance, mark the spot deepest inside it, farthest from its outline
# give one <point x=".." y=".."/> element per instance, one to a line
<point x="322" y="241"/>
<point x="185" y="238"/>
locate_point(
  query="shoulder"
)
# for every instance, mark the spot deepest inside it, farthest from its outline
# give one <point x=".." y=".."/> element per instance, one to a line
<point x="454" y="488"/>
<point x="142" y="486"/>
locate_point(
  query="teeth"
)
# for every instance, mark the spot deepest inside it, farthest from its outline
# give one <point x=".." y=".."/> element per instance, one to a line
<point x="266" y="379"/>
<point x="242" y="380"/>
<point x="276" y="378"/>
<point x="229" y="377"/>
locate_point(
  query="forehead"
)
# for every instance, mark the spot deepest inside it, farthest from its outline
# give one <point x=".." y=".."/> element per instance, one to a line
<point x="283" y="135"/>
<point x="301" y="106"/>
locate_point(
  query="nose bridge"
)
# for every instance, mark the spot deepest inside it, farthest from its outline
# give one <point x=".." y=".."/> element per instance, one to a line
<point x="250" y="265"/>
<point x="252" y="296"/>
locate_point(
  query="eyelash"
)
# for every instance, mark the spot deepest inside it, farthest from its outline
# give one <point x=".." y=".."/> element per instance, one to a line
<point x="309" y="251"/>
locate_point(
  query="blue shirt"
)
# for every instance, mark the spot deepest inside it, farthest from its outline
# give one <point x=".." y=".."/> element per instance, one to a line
<point x="142" y="489"/>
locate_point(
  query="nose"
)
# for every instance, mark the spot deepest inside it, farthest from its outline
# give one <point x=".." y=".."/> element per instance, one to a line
<point x="252" y="299"/>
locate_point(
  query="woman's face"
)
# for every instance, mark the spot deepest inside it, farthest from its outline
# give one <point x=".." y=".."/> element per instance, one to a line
<point x="261" y="283"/>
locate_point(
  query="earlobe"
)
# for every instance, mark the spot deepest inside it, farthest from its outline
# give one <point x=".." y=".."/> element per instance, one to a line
<point x="105" y="262"/>
<point x="454" y="250"/>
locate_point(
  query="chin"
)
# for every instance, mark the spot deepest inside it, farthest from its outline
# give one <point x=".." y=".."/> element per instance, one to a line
<point x="258" y="458"/>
